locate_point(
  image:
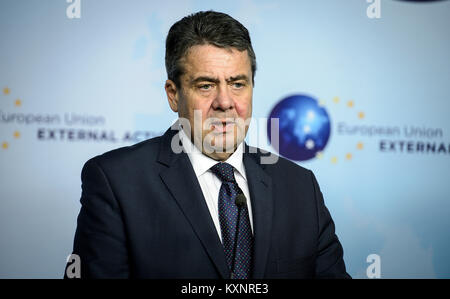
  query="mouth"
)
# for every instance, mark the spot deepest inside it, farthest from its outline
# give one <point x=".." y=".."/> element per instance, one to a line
<point x="224" y="126"/>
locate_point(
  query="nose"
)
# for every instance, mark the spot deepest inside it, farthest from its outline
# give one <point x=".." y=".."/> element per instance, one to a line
<point x="223" y="100"/>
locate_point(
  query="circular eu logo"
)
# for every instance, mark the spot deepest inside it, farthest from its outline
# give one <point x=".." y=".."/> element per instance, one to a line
<point x="304" y="127"/>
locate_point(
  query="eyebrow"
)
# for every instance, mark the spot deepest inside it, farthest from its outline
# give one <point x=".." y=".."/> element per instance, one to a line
<point x="217" y="81"/>
<point x="237" y="78"/>
<point x="205" y="78"/>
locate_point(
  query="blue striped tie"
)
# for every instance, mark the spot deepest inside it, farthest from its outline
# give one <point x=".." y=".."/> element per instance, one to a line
<point x="237" y="243"/>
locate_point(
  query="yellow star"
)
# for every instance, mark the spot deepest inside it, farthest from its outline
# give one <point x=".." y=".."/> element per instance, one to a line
<point x="16" y="134"/>
<point x="348" y="156"/>
<point x="18" y="103"/>
<point x="334" y="160"/>
<point x="5" y="145"/>
<point x="336" y="100"/>
<point x="350" y="104"/>
<point x="6" y="90"/>
<point x="360" y="146"/>
<point x="321" y="103"/>
<point x="361" y="115"/>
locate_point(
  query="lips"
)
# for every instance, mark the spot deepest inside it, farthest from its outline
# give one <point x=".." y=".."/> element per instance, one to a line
<point x="222" y="126"/>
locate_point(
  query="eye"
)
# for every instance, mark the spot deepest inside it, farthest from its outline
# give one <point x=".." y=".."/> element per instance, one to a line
<point x="205" y="87"/>
<point x="238" y="85"/>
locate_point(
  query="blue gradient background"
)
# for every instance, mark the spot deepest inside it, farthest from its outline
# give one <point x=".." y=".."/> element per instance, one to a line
<point x="110" y="63"/>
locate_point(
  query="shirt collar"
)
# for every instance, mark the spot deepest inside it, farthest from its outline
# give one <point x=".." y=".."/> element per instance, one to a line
<point x="202" y="163"/>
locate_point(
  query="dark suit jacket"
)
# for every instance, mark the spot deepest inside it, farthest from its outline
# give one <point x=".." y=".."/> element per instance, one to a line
<point x="143" y="215"/>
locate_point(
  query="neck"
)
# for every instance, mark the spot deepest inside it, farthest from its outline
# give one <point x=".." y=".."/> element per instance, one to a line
<point x="219" y="156"/>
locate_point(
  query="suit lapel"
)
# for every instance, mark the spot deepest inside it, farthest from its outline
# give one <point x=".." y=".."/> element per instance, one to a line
<point x="180" y="179"/>
<point x="260" y="187"/>
<point x="182" y="183"/>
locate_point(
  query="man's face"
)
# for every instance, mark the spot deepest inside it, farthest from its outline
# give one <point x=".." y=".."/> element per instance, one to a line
<point x="216" y="87"/>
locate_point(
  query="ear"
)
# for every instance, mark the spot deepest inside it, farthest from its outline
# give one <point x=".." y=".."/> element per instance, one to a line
<point x="172" y="95"/>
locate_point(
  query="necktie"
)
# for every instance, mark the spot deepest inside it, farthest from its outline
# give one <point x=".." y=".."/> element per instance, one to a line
<point x="237" y="238"/>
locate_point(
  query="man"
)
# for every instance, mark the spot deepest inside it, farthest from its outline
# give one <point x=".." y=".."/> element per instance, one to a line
<point x="197" y="202"/>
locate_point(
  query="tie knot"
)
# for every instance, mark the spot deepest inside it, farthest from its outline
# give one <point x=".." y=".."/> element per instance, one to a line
<point x="224" y="172"/>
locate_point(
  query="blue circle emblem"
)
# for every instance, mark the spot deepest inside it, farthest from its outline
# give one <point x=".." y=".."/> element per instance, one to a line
<point x="304" y="127"/>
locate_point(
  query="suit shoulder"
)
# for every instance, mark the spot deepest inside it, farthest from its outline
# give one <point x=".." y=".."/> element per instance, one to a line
<point x="288" y="167"/>
<point x="128" y="155"/>
<point x="277" y="165"/>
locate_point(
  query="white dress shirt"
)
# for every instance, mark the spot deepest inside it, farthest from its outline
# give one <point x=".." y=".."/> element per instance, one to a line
<point x="210" y="183"/>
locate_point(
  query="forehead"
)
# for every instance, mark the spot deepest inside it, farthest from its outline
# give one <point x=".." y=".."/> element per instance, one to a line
<point x="212" y="60"/>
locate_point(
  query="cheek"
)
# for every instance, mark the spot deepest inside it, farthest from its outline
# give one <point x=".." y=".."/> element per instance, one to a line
<point x="244" y="108"/>
<point x="206" y="108"/>
<point x="192" y="105"/>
